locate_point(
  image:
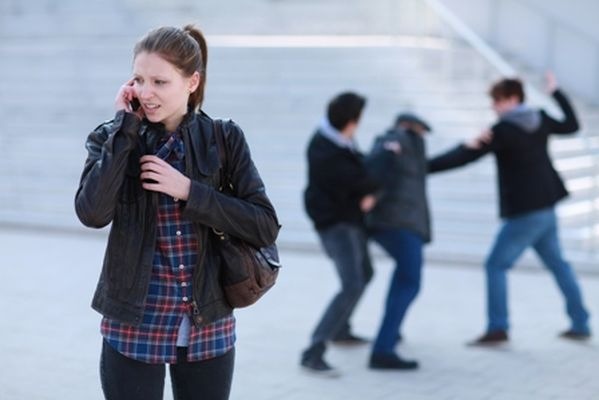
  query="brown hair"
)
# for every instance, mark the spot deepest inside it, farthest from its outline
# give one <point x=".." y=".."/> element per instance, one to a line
<point x="506" y="88"/>
<point x="345" y="108"/>
<point x="185" y="48"/>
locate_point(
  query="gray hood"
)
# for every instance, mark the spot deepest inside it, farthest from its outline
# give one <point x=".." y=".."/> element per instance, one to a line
<point x="327" y="130"/>
<point x="523" y="116"/>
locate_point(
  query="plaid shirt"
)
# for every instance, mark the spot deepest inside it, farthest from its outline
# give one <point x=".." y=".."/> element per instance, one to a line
<point x="169" y="300"/>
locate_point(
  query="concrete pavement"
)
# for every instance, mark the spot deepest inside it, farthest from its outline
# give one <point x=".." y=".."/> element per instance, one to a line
<point x="50" y="341"/>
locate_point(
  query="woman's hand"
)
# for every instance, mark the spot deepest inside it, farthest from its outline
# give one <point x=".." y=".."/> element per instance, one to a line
<point x="159" y="176"/>
<point x="125" y="96"/>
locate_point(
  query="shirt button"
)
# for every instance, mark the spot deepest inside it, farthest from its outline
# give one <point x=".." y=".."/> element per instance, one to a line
<point x="185" y="298"/>
<point x="184" y="284"/>
<point x="178" y="233"/>
<point x="181" y="266"/>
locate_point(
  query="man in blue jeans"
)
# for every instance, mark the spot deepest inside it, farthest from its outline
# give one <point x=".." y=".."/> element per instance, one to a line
<point x="529" y="188"/>
<point x="338" y="192"/>
<point x="400" y="223"/>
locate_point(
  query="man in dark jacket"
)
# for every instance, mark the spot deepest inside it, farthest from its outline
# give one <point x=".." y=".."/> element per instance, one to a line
<point x="400" y="223"/>
<point x="338" y="192"/>
<point x="529" y="188"/>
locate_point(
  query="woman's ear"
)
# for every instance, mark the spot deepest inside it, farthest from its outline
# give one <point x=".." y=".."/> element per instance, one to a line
<point x="194" y="82"/>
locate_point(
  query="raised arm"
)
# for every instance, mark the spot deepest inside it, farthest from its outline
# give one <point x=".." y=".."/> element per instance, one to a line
<point x="570" y="123"/>
<point x="108" y="147"/>
<point x="464" y="153"/>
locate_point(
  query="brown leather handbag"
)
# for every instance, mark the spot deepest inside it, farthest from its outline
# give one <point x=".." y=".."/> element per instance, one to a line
<point x="247" y="271"/>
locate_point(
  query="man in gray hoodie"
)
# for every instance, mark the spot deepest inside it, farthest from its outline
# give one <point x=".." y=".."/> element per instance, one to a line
<point x="529" y="189"/>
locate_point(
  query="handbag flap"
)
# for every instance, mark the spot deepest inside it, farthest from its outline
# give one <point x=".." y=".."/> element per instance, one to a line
<point x="271" y="255"/>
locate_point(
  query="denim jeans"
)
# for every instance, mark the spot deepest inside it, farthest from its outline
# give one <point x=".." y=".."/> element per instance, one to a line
<point x="405" y="247"/>
<point x="126" y="379"/>
<point x="537" y="229"/>
<point x="346" y="245"/>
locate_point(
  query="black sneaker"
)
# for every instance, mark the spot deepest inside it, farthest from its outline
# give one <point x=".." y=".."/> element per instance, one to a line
<point x="349" y="339"/>
<point x="492" y="338"/>
<point x="317" y="365"/>
<point x="575" y="335"/>
<point x="391" y="361"/>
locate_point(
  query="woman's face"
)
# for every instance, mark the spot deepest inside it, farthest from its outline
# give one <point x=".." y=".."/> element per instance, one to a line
<point x="162" y="89"/>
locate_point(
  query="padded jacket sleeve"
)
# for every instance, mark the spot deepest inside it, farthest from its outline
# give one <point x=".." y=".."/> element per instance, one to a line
<point x="457" y="157"/>
<point x="249" y="215"/>
<point x="108" y="147"/>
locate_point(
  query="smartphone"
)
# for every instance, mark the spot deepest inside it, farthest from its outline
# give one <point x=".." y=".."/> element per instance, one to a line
<point x="134" y="104"/>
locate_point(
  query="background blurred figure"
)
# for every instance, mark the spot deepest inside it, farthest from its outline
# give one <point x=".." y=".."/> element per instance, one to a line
<point x="339" y="188"/>
<point x="400" y="223"/>
<point x="529" y="188"/>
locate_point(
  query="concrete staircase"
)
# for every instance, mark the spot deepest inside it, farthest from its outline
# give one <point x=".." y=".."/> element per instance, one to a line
<point x="57" y="87"/>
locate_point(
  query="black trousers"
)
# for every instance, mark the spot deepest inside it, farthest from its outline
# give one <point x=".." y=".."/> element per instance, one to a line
<point x="126" y="379"/>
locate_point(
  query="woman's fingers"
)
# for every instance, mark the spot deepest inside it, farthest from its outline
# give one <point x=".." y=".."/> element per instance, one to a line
<point x="149" y="175"/>
<point x="159" y="176"/>
<point x="124" y="96"/>
<point x="151" y="158"/>
<point x="153" y="163"/>
<point x="154" y="187"/>
<point x="154" y="168"/>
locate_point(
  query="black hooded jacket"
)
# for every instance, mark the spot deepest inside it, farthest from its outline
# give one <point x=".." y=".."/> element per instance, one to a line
<point x="337" y="181"/>
<point x="527" y="179"/>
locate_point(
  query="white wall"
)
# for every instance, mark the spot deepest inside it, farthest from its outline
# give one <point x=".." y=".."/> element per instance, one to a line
<point x="544" y="34"/>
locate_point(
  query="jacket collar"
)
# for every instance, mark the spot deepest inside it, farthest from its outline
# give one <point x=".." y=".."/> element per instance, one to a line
<point x="201" y="149"/>
<point x="201" y="153"/>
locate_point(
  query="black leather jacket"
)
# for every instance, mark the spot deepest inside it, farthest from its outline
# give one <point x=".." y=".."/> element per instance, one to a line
<point x="110" y="191"/>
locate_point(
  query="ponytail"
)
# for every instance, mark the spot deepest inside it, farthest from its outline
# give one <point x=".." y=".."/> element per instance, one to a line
<point x="197" y="97"/>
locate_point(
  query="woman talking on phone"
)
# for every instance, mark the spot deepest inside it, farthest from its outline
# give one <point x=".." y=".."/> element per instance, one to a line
<point x="153" y="172"/>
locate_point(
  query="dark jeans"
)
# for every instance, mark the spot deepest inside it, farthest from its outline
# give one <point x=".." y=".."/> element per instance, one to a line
<point x="126" y="379"/>
<point x="406" y="249"/>
<point x="346" y="245"/>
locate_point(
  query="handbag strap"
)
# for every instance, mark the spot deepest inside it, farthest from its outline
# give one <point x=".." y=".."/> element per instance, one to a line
<point x="219" y="134"/>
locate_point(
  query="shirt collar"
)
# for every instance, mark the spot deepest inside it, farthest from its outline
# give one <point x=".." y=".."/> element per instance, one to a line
<point x="172" y="142"/>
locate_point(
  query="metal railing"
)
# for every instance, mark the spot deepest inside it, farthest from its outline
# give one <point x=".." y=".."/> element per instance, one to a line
<point x="503" y="67"/>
